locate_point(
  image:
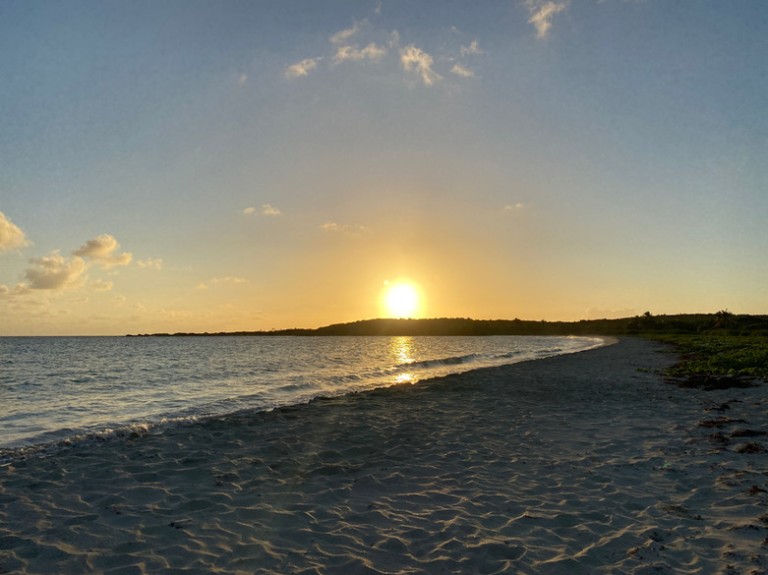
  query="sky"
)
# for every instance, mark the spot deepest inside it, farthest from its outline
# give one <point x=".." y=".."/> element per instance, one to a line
<point x="230" y="165"/>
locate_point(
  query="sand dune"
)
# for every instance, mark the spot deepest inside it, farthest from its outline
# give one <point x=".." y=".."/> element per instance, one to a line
<point x="587" y="463"/>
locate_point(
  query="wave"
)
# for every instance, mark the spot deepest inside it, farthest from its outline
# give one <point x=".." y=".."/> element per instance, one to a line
<point x="251" y="387"/>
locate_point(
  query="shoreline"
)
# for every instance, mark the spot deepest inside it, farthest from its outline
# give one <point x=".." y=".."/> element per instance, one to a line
<point x="71" y="437"/>
<point x="579" y="463"/>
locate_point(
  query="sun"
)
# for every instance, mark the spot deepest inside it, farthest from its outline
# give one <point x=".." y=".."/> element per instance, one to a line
<point x="401" y="299"/>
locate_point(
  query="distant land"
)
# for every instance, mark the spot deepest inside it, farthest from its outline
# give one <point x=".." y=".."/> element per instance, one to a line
<point x="722" y="322"/>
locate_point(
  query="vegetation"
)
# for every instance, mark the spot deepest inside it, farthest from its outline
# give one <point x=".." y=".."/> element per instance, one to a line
<point x="720" y="350"/>
<point x="721" y="323"/>
<point x="718" y="361"/>
<point x="717" y="350"/>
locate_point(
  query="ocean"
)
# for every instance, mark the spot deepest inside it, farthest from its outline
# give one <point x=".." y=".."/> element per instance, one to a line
<point x="57" y="391"/>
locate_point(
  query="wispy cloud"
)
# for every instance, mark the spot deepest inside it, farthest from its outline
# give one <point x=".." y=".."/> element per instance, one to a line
<point x="472" y="50"/>
<point x="463" y="71"/>
<point x="150" y="264"/>
<point x="266" y="210"/>
<point x="354" y="44"/>
<point x="416" y="61"/>
<point x="102" y="285"/>
<point x="11" y="236"/>
<point x="514" y="207"/>
<point x="228" y="280"/>
<point x="541" y="14"/>
<point x="302" y="68"/>
<point x="348" y="229"/>
<point x="394" y="39"/>
<point x="371" y="52"/>
<point x="342" y="36"/>
<point x="102" y="250"/>
<point x="347" y="51"/>
<point x="220" y="281"/>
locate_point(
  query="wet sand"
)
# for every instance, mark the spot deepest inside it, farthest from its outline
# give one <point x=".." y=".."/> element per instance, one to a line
<point x="587" y="463"/>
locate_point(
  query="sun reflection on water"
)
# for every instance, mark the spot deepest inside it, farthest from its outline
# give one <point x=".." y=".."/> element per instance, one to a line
<point x="402" y="348"/>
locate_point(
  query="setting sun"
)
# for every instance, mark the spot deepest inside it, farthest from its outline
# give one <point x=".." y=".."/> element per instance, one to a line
<point x="401" y="300"/>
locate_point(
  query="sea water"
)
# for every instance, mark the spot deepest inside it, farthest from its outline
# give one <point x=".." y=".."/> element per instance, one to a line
<point x="57" y="390"/>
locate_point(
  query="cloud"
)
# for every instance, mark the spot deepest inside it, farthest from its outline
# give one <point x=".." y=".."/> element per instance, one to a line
<point x="222" y="280"/>
<point x="462" y="71"/>
<point x="541" y="14"/>
<point x="302" y="68"/>
<point x="394" y="39"/>
<point x="416" y="61"/>
<point x="270" y="211"/>
<point x="342" y="36"/>
<point x="228" y="280"/>
<point x="8" y="292"/>
<point x="11" y="235"/>
<point x="371" y="52"/>
<point x="102" y="251"/>
<point x="472" y="50"/>
<point x="266" y="210"/>
<point x="101" y="285"/>
<point x="348" y="229"/>
<point x="514" y="207"/>
<point x="55" y="272"/>
<point x="150" y="264"/>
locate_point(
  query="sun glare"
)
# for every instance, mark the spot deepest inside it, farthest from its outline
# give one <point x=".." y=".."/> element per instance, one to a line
<point x="401" y="300"/>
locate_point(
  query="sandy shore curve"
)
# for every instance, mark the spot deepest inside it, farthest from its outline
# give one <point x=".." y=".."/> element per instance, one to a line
<point x="586" y="463"/>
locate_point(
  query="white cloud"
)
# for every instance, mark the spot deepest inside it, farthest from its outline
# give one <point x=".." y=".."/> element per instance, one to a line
<point x="348" y="229"/>
<point x="102" y="251"/>
<point x="472" y="50"/>
<point x="11" y="235"/>
<point x="462" y="71"/>
<point x="222" y="280"/>
<point x="342" y="36"/>
<point x="420" y="63"/>
<point x="270" y="211"/>
<point x="55" y="272"/>
<point x="266" y="210"/>
<point x="302" y="68"/>
<point x="541" y="14"/>
<point x="514" y="207"/>
<point x="228" y="280"/>
<point x="150" y="264"/>
<point x="371" y="52"/>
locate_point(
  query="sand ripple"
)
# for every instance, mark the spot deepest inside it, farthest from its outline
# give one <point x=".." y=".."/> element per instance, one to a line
<point x="577" y="464"/>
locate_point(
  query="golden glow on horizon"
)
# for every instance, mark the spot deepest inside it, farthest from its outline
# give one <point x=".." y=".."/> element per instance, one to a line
<point x="401" y="300"/>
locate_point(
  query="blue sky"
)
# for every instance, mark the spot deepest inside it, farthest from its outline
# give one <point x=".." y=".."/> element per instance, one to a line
<point x="193" y="166"/>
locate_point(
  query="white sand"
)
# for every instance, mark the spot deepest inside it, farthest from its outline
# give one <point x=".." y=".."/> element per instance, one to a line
<point x="587" y="463"/>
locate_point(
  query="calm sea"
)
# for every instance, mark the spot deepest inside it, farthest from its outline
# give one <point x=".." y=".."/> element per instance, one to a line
<point x="57" y="390"/>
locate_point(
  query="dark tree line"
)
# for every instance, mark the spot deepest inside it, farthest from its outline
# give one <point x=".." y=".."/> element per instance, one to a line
<point x="722" y="322"/>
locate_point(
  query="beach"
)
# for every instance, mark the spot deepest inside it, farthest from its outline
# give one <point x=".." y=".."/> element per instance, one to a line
<point x="581" y="463"/>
